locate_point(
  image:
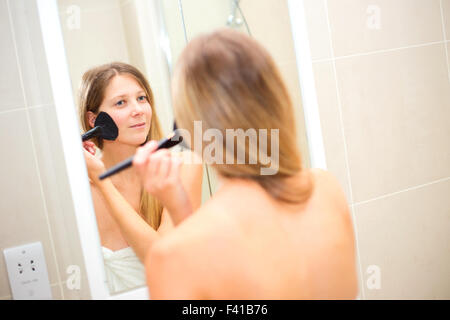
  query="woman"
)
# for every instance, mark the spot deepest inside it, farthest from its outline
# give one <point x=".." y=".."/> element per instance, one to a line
<point x="129" y="219"/>
<point x="283" y="236"/>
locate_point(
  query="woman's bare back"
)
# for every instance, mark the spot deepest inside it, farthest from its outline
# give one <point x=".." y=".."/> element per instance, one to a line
<point x="242" y="244"/>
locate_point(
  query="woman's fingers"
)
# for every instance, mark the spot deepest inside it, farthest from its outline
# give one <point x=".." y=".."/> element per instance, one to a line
<point x="175" y="172"/>
<point x="144" y="152"/>
<point x="142" y="155"/>
<point x="89" y="146"/>
<point x="162" y="172"/>
<point x="164" y="167"/>
<point x="159" y="171"/>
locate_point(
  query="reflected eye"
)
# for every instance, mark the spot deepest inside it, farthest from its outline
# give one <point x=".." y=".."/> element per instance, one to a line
<point x="120" y="103"/>
<point x="142" y="98"/>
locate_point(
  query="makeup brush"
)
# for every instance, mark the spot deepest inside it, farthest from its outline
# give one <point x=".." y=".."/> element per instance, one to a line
<point x="104" y="127"/>
<point x="170" y="141"/>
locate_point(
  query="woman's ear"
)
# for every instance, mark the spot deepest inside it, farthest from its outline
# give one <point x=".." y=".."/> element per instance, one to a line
<point x="91" y="118"/>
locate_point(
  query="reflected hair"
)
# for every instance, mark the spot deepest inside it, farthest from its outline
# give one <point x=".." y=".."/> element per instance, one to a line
<point x="90" y="97"/>
<point x="228" y="80"/>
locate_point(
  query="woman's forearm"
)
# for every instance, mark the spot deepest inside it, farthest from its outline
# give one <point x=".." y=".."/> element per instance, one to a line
<point x="139" y="235"/>
<point x="180" y="207"/>
<point x="189" y="192"/>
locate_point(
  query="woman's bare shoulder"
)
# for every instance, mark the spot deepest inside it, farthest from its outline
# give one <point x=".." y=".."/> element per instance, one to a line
<point x="331" y="194"/>
<point x="330" y="186"/>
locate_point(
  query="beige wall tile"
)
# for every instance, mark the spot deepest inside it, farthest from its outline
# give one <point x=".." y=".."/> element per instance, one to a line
<point x="56" y="291"/>
<point x="89" y="5"/>
<point x="333" y="139"/>
<point x="448" y="57"/>
<point x="31" y="53"/>
<point x="289" y="73"/>
<point x="24" y="218"/>
<point x="446" y="15"/>
<point x="401" y="23"/>
<point x="77" y="294"/>
<point x="318" y="32"/>
<point x="132" y="35"/>
<point x="55" y="184"/>
<point x="204" y="16"/>
<point x="269" y="23"/>
<point x="99" y="39"/>
<point x="406" y="236"/>
<point x="173" y="22"/>
<point x="396" y="119"/>
<point x="267" y="20"/>
<point x="10" y="86"/>
<point x="361" y="292"/>
<point x="54" y="288"/>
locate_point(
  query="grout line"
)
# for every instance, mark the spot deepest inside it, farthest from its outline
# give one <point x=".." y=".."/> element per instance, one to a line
<point x="377" y="51"/>
<point x="52" y="243"/>
<point x="37" y="106"/>
<point x="401" y="191"/>
<point x="445" y="38"/>
<point x="339" y="103"/>
<point x="57" y="284"/>
<point x="13" y="109"/>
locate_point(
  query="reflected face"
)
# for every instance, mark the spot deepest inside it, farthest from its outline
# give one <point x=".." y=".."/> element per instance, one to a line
<point x="127" y="104"/>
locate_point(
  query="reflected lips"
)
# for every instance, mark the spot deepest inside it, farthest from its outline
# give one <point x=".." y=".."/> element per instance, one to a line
<point x="139" y="125"/>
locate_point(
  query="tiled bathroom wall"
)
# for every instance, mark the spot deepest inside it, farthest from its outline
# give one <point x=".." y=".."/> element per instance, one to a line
<point x="93" y="34"/>
<point x="103" y="31"/>
<point x="382" y="77"/>
<point x="36" y="203"/>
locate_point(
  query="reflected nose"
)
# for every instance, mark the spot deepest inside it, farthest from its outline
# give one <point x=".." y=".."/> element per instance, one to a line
<point x="138" y="109"/>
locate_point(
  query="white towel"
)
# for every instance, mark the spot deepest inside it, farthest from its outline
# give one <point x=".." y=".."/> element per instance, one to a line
<point x="123" y="269"/>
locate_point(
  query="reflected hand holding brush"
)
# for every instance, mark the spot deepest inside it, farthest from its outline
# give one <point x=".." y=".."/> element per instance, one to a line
<point x="104" y="127"/>
<point x="168" y="142"/>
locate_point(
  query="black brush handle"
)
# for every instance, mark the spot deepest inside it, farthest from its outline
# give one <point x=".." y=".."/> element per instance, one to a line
<point x="94" y="132"/>
<point x="165" y="143"/>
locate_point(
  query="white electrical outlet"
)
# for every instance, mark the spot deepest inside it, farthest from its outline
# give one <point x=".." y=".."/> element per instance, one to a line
<point x="27" y="272"/>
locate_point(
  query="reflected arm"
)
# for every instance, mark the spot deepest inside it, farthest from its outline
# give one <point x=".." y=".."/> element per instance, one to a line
<point x="139" y="235"/>
<point x="137" y="232"/>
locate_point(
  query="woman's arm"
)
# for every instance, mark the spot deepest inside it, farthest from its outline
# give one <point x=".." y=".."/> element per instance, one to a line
<point x="138" y="233"/>
<point x="175" y="184"/>
<point x="192" y="177"/>
<point x="135" y="230"/>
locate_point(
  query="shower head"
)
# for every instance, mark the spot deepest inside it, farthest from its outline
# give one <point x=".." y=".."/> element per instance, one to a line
<point x="233" y="20"/>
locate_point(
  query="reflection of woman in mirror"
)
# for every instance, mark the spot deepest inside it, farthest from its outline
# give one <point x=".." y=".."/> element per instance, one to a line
<point x="130" y="219"/>
<point x="282" y="236"/>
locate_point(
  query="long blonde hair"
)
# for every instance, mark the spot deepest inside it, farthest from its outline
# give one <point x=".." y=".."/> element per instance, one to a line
<point x="227" y="80"/>
<point x="91" y="95"/>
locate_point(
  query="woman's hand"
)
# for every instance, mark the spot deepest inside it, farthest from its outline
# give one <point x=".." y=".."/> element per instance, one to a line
<point x="160" y="176"/>
<point x="94" y="165"/>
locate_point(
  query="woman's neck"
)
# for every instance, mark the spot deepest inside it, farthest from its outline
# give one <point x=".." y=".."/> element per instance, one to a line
<point x="112" y="154"/>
